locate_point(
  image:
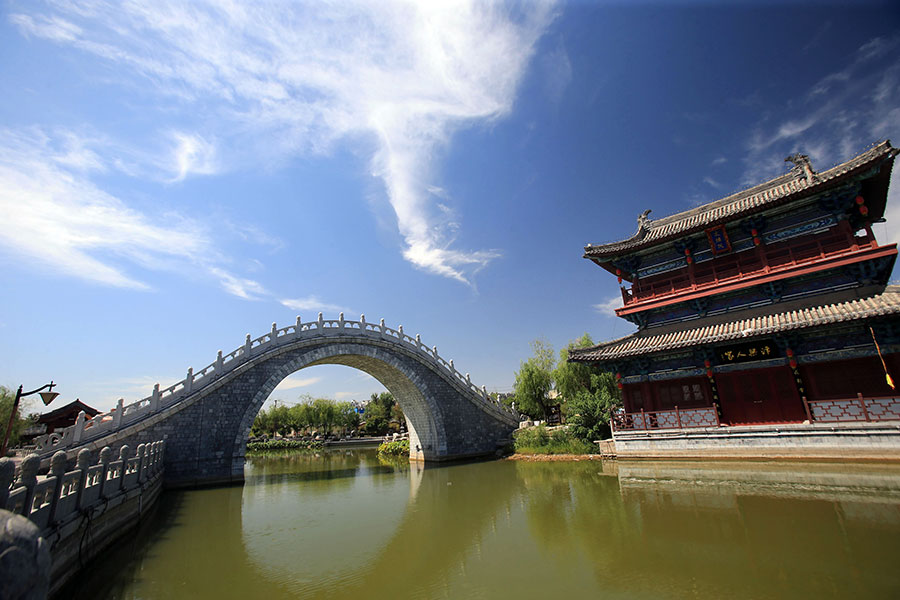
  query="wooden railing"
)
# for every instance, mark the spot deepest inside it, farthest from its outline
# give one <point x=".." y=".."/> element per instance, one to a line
<point x="883" y="408"/>
<point x="679" y="418"/>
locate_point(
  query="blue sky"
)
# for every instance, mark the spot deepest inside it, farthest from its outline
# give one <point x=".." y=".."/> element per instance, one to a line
<point x="175" y="175"/>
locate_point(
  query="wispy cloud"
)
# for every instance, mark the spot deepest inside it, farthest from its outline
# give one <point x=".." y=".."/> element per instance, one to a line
<point x="192" y="154"/>
<point x="291" y="382"/>
<point x="312" y="304"/>
<point x="841" y="114"/>
<point x="57" y="218"/>
<point x="609" y="307"/>
<point x="286" y="79"/>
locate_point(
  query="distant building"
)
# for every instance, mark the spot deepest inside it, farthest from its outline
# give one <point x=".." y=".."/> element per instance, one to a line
<point x="769" y="306"/>
<point x="59" y="418"/>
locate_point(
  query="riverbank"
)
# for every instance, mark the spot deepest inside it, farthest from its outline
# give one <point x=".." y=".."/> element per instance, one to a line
<point x="552" y="457"/>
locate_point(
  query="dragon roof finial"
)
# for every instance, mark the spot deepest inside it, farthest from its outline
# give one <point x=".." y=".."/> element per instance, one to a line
<point x="802" y="167"/>
<point x="643" y="220"/>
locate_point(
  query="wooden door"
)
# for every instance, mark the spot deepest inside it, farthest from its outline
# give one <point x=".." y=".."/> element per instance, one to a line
<point x="760" y="396"/>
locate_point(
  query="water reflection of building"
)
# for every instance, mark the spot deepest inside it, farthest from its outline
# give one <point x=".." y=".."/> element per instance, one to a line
<point x="761" y="317"/>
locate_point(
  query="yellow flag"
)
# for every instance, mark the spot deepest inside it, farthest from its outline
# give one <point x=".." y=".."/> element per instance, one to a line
<point x="887" y="376"/>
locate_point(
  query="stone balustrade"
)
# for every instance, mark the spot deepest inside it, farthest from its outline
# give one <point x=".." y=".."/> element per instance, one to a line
<point x="124" y="415"/>
<point x="62" y="496"/>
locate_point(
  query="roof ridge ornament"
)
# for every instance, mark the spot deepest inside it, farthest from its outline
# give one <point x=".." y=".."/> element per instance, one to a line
<point x="643" y="220"/>
<point x="802" y="167"/>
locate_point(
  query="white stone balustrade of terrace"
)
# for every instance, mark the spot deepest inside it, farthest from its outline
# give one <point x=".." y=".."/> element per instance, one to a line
<point x="64" y="496"/>
<point x="85" y="430"/>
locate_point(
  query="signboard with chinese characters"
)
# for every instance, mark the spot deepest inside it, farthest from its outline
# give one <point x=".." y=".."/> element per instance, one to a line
<point x="738" y="353"/>
<point x="718" y="240"/>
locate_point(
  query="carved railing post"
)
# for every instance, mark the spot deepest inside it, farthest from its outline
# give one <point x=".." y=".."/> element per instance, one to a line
<point x="341" y="321"/>
<point x="82" y="463"/>
<point x="382" y="326"/>
<point x="7" y="474"/>
<point x="154" y="399"/>
<point x="297" y="326"/>
<point x="79" y="427"/>
<point x="320" y="322"/>
<point x="362" y="323"/>
<point x="189" y="381"/>
<point x="418" y="341"/>
<point x="248" y="347"/>
<point x="105" y="456"/>
<point x="117" y="413"/>
<point x="220" y="363"/>
<point x="58" y="470"/>
<point x="124" y="455"/>
<point x="28" y="479"/>
<point x="141" y="449"/>
<point x="274" y="335"/>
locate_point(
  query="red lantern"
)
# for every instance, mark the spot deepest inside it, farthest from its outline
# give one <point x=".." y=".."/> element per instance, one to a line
<point x="757" y="241"/>
<point x="619" y="272"/>
<point x="863" y="210"/>
<point x="618" y="376"/>
<point x="793" y="364"/>
<point x="860" y="200"/>
<point x="706" y="363"/>
<point x="789" y="352"/>
<point x="689" y="260"/>
<point x="754" y="232"/>
<point x="709" y="373"/>
<point x="619" y="385"/>
<point x="687" y="251"/>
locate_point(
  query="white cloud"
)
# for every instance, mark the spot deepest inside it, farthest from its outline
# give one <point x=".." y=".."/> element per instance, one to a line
<point x="312" y="304"/>
<point x="56" y="217"/>
<point x="609" y="307"/>
<point x="278" y="80"/>
<point x="192" y="154"/>
<point x="291" y="383"/>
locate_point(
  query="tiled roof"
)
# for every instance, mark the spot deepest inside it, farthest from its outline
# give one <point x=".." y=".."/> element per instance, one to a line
<point x="778" y="190"/>
<point x="886" y="303"/>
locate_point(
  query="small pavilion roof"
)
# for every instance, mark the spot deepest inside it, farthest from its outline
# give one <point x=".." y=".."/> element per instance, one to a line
<point x="74" y="406"/>
<point x="886" y="303"/>
<point x="799" y="181"/>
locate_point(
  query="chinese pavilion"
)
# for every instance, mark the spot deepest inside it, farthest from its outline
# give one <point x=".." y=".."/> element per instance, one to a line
<point x="769" y="306"/>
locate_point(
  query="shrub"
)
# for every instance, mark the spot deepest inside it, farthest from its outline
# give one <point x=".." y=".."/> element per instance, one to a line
<point x="398" y="448"/>
<point x="537" y="440"/>
<point x="282" y="445"/>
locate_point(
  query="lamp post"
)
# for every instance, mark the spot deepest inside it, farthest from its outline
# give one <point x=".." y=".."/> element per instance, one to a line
<point x="47" y="397"/>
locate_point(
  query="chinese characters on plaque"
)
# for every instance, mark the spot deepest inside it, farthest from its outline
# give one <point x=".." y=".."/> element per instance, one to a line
<point x="718" y="240"/>
<point x="737" y="353"/>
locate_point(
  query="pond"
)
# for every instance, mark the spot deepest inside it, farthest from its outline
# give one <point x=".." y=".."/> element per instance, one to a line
<point x="343" y="524"/>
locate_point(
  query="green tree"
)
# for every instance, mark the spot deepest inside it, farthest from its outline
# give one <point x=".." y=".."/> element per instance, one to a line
<point x="377" y="413"/>
<point x="534" y="381"/>
<point x="7" y="399"/>
<point x="587" y="393"/>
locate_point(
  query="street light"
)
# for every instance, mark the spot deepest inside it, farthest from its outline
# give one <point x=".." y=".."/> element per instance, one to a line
<point x="47" y="397"/>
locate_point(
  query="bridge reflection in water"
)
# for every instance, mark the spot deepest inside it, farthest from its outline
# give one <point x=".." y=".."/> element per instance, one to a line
<point x="345" y="525"/>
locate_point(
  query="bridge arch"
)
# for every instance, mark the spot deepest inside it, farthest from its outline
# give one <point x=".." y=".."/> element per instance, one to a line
<point x="206" y="418"/>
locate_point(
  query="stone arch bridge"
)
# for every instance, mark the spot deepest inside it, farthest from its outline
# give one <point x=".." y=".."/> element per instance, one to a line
<point x="206" y="418"/>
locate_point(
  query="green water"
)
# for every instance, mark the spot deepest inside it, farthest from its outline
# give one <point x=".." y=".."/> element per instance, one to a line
<point x="344" y="525"/>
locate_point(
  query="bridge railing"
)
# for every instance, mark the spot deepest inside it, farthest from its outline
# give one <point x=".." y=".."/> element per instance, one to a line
<point x="124" y="415"/>
<point x="62" y="495"/>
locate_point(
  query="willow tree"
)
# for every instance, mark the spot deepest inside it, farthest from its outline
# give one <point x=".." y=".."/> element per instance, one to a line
<point x="534" y="380"/>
